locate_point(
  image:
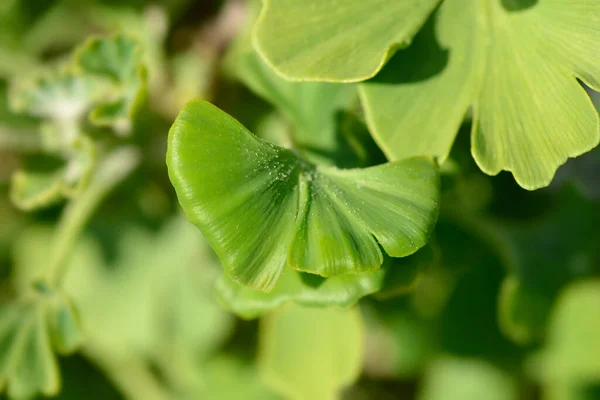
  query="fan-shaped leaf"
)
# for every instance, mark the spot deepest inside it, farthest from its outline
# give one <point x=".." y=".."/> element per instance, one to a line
<point x="35" y="189"/>
<point x="262" y="208"/>
<point x="395" y="277"/>
<point x="516" y="63"/>
<point x="336" y="40"/>
<point x="516" y="67"/>
<point x="61" y="96"/>
<point x="117" y="60"/>
<point x="29" y="330"/>
<point x="310" y="107"/>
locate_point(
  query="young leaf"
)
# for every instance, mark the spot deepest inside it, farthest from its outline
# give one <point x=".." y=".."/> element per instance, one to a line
<point x="61" y="96"/>
<point x="517" y="68"/>
<point x="117" y="60"/>
<point x="35" y="189"/>
<point x="310" y="353"/>
<point x="29" y="331"/>
<point x="336" y="41"/>
<point x="262" y="208"/>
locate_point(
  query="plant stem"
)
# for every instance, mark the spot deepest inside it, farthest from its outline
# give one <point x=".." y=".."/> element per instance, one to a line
<point x="115" y="167"/>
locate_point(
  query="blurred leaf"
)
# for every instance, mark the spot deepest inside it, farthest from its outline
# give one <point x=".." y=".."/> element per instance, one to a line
<point x="325" y="41"/>
<point x="310" y="353"/>
<point x="61" y="96"/>
<point x="228" y="377"/>
<point x="119" y="61"/>
<point x="29" y="331"/>
<point x="32" y="189"/>
<point x="155" y="297"/>
<point x="466" y="379"/>
<point x="568" y="366"/>
<point x="236" y="187"/>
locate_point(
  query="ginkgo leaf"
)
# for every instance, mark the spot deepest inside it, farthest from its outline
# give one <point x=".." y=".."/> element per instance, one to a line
<point x="515" y="63"/>
<point x="397" y="276"/>
<point x="262" y="208"/>
<point x="298" y="287"/>
<point x="118" y="60"/>
<point x="310" y="107"/>
<point x="310" y="353"/>
<point x="417" y="103"/>
<point x="517" y="68"/>
<point x="333" y="40"/>
<point x="30" y="330"/>
<point x="61" y="96"/>
<point x="32" y="189"/>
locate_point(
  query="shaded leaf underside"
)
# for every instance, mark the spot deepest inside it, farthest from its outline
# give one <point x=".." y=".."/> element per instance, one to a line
<point x="261" y="208"/>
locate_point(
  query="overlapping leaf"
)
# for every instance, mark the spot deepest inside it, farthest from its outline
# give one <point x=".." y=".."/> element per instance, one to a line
<point x="336" y="40"/>
<point x="395" y="277"/>
<point x="262" y="208"/>
<point x="310" y="352"/>
<point x="313" y="109"/>
<point x="515" y="62"/>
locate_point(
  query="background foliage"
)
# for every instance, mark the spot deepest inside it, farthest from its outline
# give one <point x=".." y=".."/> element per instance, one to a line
<point x="109" y="292"/>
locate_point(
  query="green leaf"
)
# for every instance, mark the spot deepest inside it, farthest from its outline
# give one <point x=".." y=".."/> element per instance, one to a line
<point x="32" y="189"/>
<point x="397" y="276"/>
<point x="117" y="60"/>
<point x="568" y="364"/>
<point x="62" y="96"/>
<point x="310" y="353"/>
<point x="465" y="379"/>
<point x="228" y="377"/>
<point x="310" y="107"/>
<point x="64" y="325"/>
<point x="28" y="336"/>
<point x="442" y="66"/>
<point x="298" y="287"/>
<point x="155" y="296"/>
<point x="333" y="41"/>
<point x="510" y="64"/>
<point x="262" y="208"/>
